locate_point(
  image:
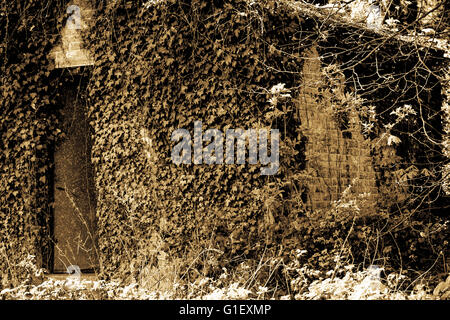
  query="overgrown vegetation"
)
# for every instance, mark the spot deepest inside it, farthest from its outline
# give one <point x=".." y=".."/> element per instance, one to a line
<point x="223" y="231"/>
<point x="247" y="281"/>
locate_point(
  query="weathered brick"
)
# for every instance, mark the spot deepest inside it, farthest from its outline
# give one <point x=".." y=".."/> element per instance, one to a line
<point x="338" y="158"/>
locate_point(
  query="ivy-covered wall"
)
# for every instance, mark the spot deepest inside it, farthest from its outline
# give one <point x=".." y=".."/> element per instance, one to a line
<point x="28" y="126"/>
<point x="173" y="65"/>
<point x="161" y="66"/>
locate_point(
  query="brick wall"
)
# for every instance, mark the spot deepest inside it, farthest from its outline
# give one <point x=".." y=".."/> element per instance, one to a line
<point x="335" y="158"/>
<point x="71" y="52"/>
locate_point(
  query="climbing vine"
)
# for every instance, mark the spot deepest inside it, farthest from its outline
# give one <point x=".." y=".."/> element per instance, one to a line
<point x="160" y="66"/>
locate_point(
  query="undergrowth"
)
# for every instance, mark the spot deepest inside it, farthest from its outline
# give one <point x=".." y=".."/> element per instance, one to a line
<point x="245" y="282"/>
<point x="345" y="252"/>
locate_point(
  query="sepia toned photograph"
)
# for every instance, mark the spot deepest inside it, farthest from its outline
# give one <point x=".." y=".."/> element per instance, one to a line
<point x="242" y="151"/>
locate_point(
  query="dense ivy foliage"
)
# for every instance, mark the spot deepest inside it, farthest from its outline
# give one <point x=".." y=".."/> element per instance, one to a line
<point x="158" y="68"/>
<point x="29" y="89"/>
<point x="175" y="64"/>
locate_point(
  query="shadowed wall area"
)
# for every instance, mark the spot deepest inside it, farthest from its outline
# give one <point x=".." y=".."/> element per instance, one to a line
<point x="74" y="197"/>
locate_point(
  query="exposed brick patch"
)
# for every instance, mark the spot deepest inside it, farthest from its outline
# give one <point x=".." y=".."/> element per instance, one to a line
<point x="336" y="158"/>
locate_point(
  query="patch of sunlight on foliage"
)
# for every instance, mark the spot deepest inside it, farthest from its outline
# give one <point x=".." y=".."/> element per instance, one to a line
<point x="307" y="284"/>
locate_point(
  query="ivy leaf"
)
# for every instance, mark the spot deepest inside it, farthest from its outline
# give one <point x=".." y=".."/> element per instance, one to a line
<point x="228" y="59"/>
